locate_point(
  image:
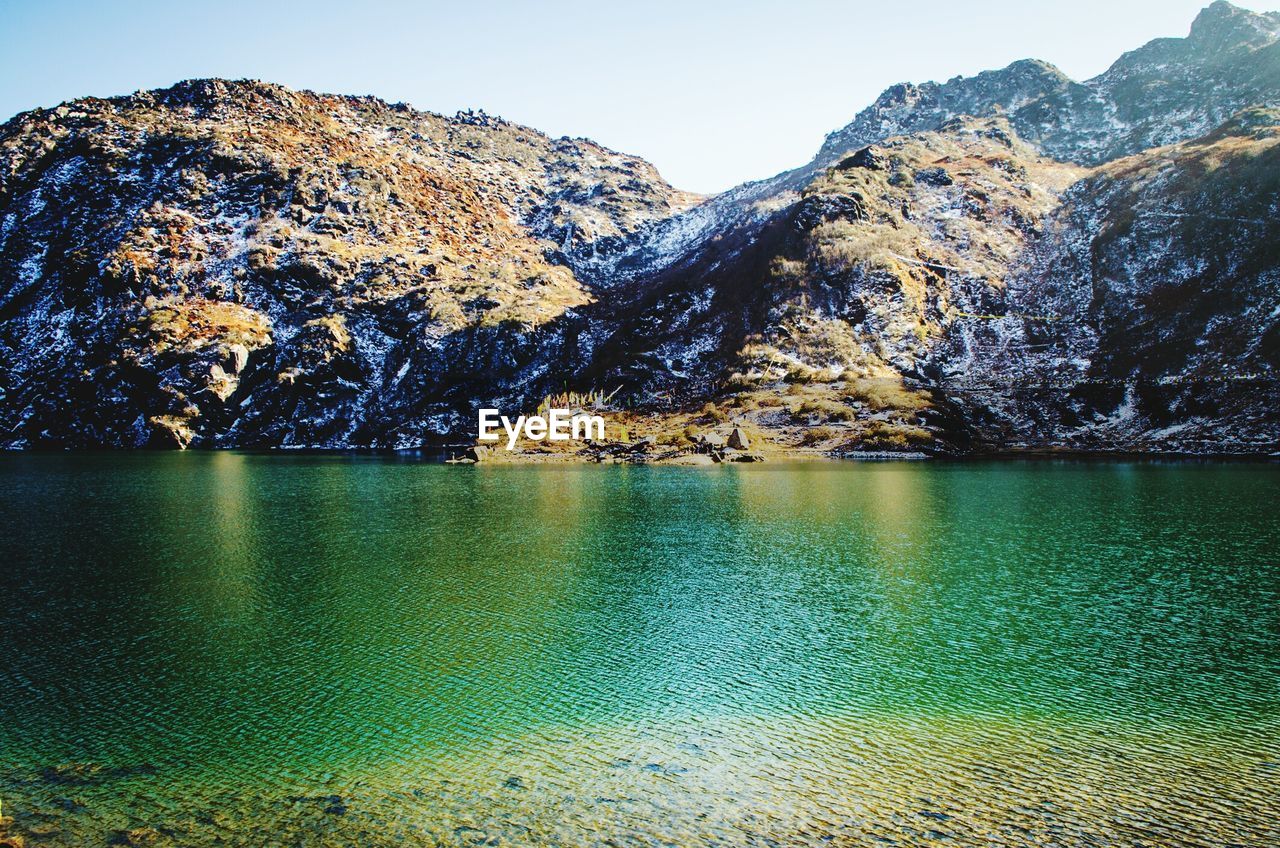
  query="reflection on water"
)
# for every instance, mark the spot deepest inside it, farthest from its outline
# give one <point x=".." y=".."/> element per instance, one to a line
<point x="358" y="649"/>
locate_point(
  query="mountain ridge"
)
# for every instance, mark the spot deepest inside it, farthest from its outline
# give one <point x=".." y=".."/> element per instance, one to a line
<point x="233" y="263"/>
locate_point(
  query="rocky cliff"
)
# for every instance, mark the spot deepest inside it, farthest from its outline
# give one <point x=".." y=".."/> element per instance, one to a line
<point x="1013" y="260"/>
<point x="1147" y="316"/>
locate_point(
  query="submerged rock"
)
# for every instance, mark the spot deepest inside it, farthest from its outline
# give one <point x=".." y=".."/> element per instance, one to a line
<point x="138" y="836"/>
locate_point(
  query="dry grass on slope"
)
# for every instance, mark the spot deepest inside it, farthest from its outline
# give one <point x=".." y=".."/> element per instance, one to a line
<point x="895" y="242"/>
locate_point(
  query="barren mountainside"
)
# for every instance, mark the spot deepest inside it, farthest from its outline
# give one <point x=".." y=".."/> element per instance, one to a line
<point x="1009" y="261"/>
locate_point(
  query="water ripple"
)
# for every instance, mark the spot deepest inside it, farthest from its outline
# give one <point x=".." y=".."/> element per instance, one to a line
<point x="243" y="650"/>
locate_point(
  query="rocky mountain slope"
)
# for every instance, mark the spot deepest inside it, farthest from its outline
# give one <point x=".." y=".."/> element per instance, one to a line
<point x="1170" y="90"/>
<point x="239" y="263"/>
<point x="1007" y="261"/>
<point x="1158" y="283"/>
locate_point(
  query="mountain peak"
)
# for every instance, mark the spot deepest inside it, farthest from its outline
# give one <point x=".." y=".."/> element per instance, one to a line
<point x="1223" y="26"/>
<point x="215" y="91"/>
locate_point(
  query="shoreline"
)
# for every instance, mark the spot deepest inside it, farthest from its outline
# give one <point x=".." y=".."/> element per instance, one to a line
<point x="442" y="455"/>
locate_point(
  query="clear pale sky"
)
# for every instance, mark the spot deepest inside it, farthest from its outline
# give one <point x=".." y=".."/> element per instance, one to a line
<point x="713" y="93"/>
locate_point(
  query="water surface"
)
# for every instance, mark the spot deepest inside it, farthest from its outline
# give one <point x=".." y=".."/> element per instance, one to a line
<point x="312" y="649"/>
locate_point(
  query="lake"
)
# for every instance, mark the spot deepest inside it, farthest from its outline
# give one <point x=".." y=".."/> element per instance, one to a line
<point x="312" y="649"/>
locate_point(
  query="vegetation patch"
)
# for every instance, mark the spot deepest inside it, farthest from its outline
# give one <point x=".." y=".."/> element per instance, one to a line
<point x="188" y="325"/>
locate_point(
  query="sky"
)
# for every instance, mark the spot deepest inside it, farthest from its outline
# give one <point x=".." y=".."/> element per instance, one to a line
<point x="713" y="93"/>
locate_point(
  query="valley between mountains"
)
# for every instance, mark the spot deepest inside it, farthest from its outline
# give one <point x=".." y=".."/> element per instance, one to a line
<point x="1014" y="261"/>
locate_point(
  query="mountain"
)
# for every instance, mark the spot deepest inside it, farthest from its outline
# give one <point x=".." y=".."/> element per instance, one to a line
<point x="1007" y="261"/>
<point x="169" y="256"/>
<point x="1170" y="90"/>
<point x="1147" y="316"/>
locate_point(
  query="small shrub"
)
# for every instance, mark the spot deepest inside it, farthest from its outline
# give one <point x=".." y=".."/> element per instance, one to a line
<point x="786" y="269"/>
<point x="816" y="435"/>
<point x="825" y="410"/>
<point x="841" y="244"/>
<point x="885" y="393"/>
<point x="800" y="374"/>
<point x="883" y="436"/>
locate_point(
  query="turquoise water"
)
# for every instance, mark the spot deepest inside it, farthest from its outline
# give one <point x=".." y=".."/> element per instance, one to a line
<point x="216" y="646"/>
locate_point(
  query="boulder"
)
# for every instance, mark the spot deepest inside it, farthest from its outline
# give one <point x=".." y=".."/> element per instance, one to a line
<point x="170" y="431"/>
<point x="711" y="441"/>
<point x="236" y="358"/>
<point x="934" y="177"/>
<point x="738" y="440"/>
<point x="867" y="157"/>
<point x="221" y="384"/>
<point x="824" y="208"/>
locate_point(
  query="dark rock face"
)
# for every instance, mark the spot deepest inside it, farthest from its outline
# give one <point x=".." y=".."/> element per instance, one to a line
<point x="1148" y="316"/>
<point x="991" y="262"/>
<point x="867" y="157"/>
<point x="819" y="209"/>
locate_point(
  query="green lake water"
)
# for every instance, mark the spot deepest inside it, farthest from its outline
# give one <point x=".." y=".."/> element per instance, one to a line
<point x="253" y="649"/>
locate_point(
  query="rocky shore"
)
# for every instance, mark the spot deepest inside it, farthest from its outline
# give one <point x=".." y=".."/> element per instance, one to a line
<point x="709" y="448"/>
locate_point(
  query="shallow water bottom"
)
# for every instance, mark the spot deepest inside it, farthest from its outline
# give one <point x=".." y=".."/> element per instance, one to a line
<point x="838" y="781"/>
